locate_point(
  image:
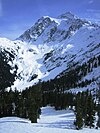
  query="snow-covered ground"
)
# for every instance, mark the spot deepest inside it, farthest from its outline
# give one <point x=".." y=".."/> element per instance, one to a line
<point x="51" y="121"/>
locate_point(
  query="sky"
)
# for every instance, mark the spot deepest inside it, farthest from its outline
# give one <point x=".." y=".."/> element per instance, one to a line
<point x="16" y="16"/>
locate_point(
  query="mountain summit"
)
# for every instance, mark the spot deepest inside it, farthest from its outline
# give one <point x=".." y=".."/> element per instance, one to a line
<point x="67" y="15"/>
<point x="49" y="30"/>
<point x="54" y="48"/>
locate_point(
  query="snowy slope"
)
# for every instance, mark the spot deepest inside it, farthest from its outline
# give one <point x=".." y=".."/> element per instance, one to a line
<point x="52" y="46"/>
<point x="50" y="121"/>
<point x="26" y="59"/>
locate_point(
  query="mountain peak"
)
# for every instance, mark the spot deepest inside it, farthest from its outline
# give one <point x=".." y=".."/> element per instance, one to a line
<point x="50" y="30"/>
<point x="67" y="15"/>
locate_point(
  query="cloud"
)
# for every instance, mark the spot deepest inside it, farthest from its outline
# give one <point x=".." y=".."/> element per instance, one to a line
<point x="91" y="1"/>
<point x="1" y="12"/>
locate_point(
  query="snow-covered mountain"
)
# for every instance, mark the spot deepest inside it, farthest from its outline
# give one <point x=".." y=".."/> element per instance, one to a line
<point x="53" y="30"/>
<point x="52" y="47"/>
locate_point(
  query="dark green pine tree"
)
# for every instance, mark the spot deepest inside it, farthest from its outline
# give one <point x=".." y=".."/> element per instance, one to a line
<point x="79" y="120"/>
<point x="90" y="111"/>
<point x="98" y="113"/>
<point x="34" y="102"/>
<point x="32" y="110"/>
<point x="3" y="103"/>
<point x="11" y="103"/>
<point x="16" y="102"/>
<point x="57" y="101"/>
<point x="98" y="108"/>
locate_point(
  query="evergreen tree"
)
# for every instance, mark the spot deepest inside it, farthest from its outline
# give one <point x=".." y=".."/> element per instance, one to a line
<point x="98" y="106"/>
<point x="79" y="120"/>
<point x="90" y="112"/>
<point x="98" y="113"/>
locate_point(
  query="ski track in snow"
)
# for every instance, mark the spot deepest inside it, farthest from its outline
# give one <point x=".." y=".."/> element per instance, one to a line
<point x="50" y="121"/>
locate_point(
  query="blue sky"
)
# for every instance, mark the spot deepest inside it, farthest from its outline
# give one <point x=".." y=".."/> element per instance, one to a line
<point x="16" y="16"/>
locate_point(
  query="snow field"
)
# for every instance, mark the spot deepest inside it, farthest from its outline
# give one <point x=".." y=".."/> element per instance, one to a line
<point x="51" y="121"/>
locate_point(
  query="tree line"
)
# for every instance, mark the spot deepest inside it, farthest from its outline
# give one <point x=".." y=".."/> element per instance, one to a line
<point x="84" y="105"/>
<point x="25" y="104"/>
